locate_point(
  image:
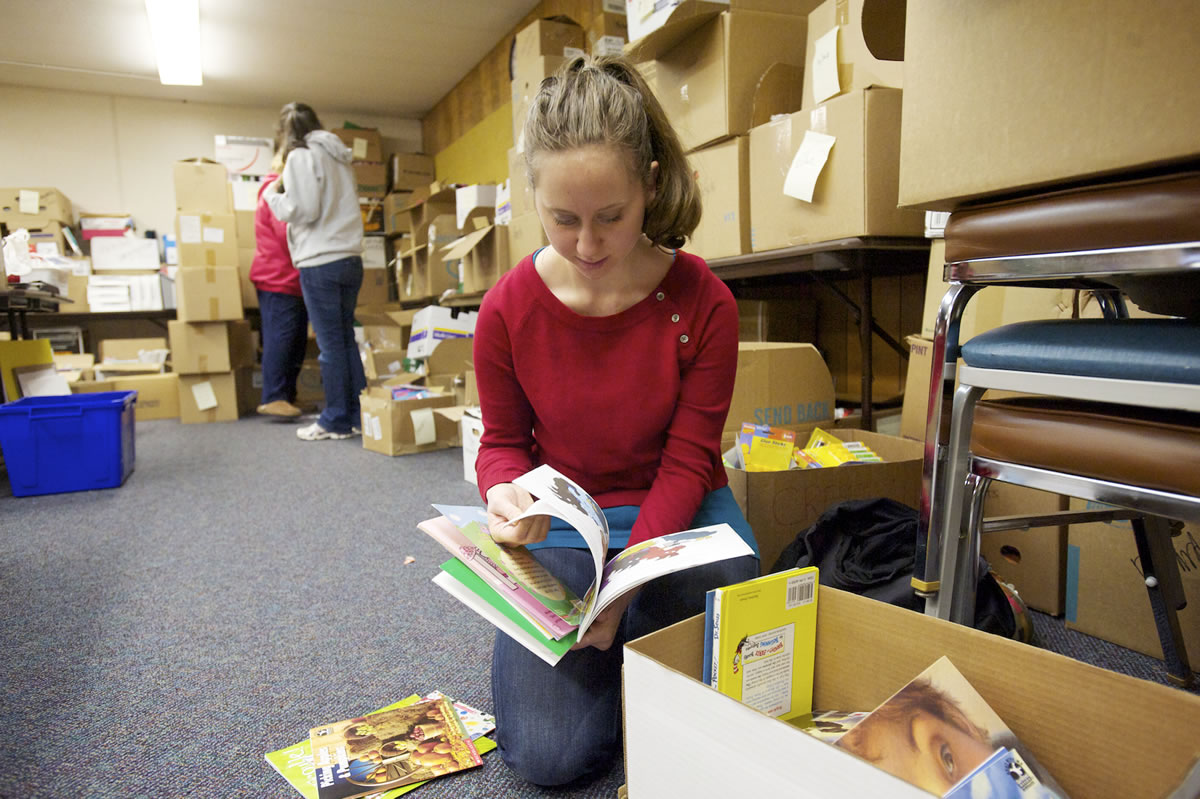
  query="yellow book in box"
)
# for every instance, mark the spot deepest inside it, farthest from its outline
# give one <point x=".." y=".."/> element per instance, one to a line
<point x="762" y="638"/>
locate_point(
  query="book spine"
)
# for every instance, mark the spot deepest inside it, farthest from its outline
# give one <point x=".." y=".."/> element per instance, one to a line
<point x="706" y="675"/>
<point x="715" y="641"/>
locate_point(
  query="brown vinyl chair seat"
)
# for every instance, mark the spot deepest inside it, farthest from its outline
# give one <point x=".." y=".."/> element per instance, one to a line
<point x="1122" y="444"/>
<point x="1160" y="209"/>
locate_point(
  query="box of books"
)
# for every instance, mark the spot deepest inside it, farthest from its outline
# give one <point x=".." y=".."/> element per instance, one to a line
<point x="1066" y="721"/>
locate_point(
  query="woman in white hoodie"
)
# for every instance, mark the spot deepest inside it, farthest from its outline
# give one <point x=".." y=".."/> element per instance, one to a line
<point x="316" y="196"/>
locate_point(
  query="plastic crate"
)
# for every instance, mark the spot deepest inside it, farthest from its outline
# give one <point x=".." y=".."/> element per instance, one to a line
<point x="76" y="442"/>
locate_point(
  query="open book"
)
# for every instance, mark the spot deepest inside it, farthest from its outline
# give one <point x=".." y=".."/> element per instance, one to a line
<point x="508" y="587"/>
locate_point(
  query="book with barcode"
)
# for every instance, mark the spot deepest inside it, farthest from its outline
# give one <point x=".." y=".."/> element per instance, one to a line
<point x="762" y="642"/>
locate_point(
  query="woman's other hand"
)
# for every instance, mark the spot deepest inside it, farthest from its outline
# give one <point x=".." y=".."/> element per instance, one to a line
<point x="507" y="501"/>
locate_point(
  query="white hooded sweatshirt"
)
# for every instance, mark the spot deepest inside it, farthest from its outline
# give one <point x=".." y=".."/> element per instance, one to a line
<point x="319" y="202"/>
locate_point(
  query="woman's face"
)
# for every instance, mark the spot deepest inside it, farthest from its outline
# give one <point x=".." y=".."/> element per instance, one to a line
<point x="591" y="207"/>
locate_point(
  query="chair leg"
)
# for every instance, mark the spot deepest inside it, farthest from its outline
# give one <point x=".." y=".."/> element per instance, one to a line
<point x="967" y="575"/>
<point x="1161" y="572"/>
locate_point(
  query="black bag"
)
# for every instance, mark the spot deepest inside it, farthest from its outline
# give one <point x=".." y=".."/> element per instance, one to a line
<point x="868" y="546"/>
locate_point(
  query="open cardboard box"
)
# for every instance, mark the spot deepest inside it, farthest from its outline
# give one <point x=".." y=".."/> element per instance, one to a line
<point x="1102" y="735"/>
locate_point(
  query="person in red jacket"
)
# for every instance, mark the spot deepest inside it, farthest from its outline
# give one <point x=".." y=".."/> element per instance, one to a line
<point x="281" y="307"/>
<point x="611" y="356"/>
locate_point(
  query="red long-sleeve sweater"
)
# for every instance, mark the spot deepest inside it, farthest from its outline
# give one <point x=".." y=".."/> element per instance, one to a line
<point x="272" y="268"/>
<point x="630" y="406"/>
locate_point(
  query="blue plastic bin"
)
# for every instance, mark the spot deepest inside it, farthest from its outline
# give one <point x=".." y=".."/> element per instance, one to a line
<point x="75" y="442"/>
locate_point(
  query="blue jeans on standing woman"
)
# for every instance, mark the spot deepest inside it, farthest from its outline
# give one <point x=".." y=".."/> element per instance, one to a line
<point x="561" y="724"/>
<point x="330" y="293"/>
<point x="284" y="340"/>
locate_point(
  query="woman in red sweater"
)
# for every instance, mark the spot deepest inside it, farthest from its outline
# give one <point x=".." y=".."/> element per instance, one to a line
<point x="281" y="308"/>
<point x="610" y="356"/>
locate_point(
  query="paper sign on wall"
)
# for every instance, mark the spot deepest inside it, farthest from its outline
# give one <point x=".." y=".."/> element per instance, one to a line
<point x="424" y="428"/>
<point x="204" y="395"/>
<point x="806" y="167"/>
<point x="825" y="66"/>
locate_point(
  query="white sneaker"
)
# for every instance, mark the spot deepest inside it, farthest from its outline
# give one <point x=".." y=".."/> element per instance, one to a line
<point x="314" y="432"/>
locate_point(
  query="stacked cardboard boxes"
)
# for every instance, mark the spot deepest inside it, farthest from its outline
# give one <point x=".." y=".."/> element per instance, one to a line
<point x="423" y="227"/>
<point x="44" y="212"/>
<point x="209" y="342"/>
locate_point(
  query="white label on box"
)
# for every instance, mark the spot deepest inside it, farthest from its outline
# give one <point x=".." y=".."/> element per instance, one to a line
<point x="371" y="426"/>
<point x="572" y="52"/>
<point x="28" y="201"/>
<point x="81" y="267"/>
<point x="424" y="428"/>
<point x="825" y="66"/>
<point x="47" y="248"/>
<point x="818" y="120"/>
<point x="189" y="229"/>
<point x="360" y="148"/>
<point x="204" y="395"/>
<point x="806" y="167"/>
<point x="214" y="235"/>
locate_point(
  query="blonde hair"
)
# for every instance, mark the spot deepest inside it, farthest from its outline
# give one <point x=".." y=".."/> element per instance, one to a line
<point x="604" y="101"/>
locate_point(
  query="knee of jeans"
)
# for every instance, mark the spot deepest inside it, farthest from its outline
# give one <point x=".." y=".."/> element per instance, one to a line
<point x="554" y="766"/>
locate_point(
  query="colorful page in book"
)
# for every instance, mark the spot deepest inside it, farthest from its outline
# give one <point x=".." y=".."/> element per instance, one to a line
<point x="561" y="497"/>
<point x="466" y="586"/>
<point x="295" y="763"/>
<point x="766" y="641"/>
<point x="513" y="571"/>
<point x="474" y="721"/>
<point x="386" y="750"/>
<point x="829" y="725"/>
<point x="934" y="731"/>
<point x="1004" y="775"/>
<point x="669" y="553"/>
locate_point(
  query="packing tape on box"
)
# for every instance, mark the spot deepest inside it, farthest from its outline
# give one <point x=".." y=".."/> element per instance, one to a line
<point x="424" y="427"/>
<point x="214" y="307"/>
<point x="842" y="12"/>
<point x="202" y="363"/>
<point x="210" y="258"/>
<point x="210" y="274"/>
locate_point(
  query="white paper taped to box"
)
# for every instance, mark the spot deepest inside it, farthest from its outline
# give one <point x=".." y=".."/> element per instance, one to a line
<point x="424" y="428"/>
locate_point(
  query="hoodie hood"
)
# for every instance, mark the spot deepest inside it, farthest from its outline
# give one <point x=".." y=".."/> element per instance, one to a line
<point x="330" y="144"/>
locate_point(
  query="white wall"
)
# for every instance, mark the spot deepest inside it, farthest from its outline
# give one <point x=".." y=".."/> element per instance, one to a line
<point x="111" y="153"/>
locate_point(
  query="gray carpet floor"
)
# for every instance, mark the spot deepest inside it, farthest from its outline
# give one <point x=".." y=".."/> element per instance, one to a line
<point x="242" y="587"/>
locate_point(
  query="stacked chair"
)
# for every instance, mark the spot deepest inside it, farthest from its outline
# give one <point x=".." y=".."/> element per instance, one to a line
<point x="1109" y="409"/>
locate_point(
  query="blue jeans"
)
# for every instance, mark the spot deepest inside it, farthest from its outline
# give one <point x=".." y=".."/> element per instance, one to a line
<point x="556" y="725"/>
<point x="330" y="293"/>
<point x="284" y="339"/>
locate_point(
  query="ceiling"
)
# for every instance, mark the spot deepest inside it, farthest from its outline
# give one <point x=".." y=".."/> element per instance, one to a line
<point x="386" y="57"/>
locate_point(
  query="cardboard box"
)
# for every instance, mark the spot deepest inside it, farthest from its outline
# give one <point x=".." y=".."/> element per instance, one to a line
<point x="425" y="208"/>
<point x="528" y="74"/>
<point x="26" y="207"/>
<point x="446" y="367"/>
<point x="412" y="272"/>
<point x="477" y="201"/>
<point x="404" y="427"/>
<point x="374" y="289"/>
<point x="558" y="37"/>
<point x="382" y="363"/>
<point x="866" y="51"/>
<point x="125" y="254"/>
<point x="385" y="329"/>
<point x="205" y="239"/>
<point x="914" y="412"/>
<point x="607" y="33"/>
<point x="525" y="236"/>
<point x="208" y="294"/>
<point x="780" y="384"/>
<point x="433" y="324"/>
<point x="482" y="255"/>
<point x="392" y="204"/>
<point x="249" y="290"/>
<point x="366" y="144"/>
<point x="713" y="72"/>
<point x="982" y="117"/>
<point x="202" y="187"/>
<point x="199" y="347"/>
<point x="723" y="175"/>
<point x="243" y="344"/>
<point x="782" y="505"/>
<point x="867" y="650"/>
<point x="1106" y="595"/>
<point x="371" y="177"/>
<point x="677" y="18"/>
<point x="127" y="349"/>
<point x="244" y="229"/>
<point x="411" y="171"/>
<point x="520" y="194"/>
<point x="208" y="398"/>
<point x="158" y="395"/>
<point x="470" y="430"/>
<point x="1033" y="561"/>
<point x="776" y="319"/>
<point x="855" y="193"/>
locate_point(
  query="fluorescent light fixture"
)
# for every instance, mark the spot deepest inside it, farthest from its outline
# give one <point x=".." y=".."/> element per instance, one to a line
<point x="175" y="26"/>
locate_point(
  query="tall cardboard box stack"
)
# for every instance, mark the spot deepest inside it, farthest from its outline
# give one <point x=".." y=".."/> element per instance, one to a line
<point x="208" y="339"/>
<point x="244" y="223"/>
<point x="427" y="223"/>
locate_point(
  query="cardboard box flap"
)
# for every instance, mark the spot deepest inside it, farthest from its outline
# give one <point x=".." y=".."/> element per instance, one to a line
<point x="461" y="246"/>
<point x="683" y="20"/>
<point x="869" y="47"/>
<point x="434" y="192"/>
<point x="198" y="160"/>
<point x="451" y="357"/>
<point x="780" y="91"/>
<point x="780" y="384"/>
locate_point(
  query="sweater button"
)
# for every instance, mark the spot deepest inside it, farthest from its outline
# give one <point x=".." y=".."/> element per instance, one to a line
<point x="674" y="317"/>
<point x="660" y="296"/>
<point x="683" y="339"/>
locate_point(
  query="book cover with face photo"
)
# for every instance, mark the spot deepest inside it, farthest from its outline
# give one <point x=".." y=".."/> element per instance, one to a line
<point x="935" y="731"/>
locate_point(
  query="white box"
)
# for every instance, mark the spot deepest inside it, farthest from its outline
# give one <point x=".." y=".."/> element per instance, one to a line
<point x="244" y="155"/>
<point x="433" y="324"/>
<point x="471" y="430"/>
<point x="124" y="253"/>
